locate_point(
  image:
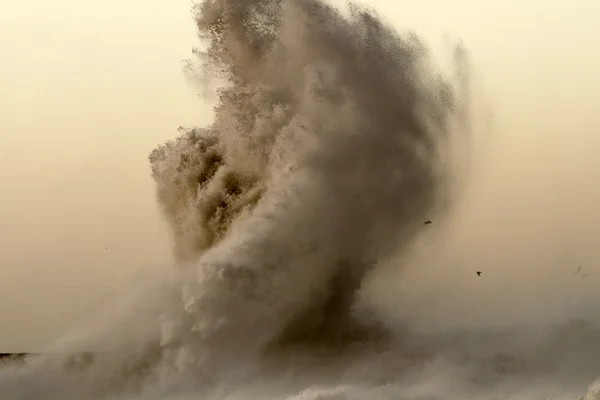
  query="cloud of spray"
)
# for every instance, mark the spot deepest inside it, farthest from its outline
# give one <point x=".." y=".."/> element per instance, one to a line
<point x="334" y="139"/>
<point x="329" y="148"/>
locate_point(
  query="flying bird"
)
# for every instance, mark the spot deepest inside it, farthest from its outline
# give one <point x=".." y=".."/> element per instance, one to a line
<point x="479" y="273"/>
<point x="427" y="222"/>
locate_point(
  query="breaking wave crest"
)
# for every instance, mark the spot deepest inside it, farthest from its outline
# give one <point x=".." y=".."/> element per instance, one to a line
<point x="327" y="153"/>
<point x="334" y="139"/>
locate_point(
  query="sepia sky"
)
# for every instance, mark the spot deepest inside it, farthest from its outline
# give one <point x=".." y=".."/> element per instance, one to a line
<point x="88" y="89"/>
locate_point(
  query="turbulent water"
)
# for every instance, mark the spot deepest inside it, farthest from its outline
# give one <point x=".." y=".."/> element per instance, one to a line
<point x="334" y="139"/>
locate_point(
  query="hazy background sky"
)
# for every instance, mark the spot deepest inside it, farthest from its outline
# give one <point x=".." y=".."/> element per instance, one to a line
<point x="88" y="89"/>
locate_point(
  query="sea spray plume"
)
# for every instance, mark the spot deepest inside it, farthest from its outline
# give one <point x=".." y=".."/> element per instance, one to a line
<point x="329" y="148"/>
